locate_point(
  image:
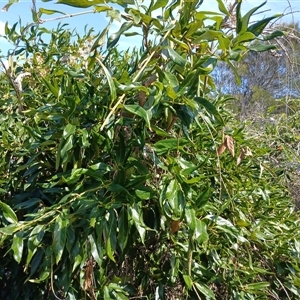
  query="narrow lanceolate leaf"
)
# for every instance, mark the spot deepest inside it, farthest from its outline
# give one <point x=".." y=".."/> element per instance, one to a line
<point x="222" y="7"/>
<point x="258" y="27"/>
<point x="137" y="218"/>
<point x="246" y="18"/>
<point x="176" y="58"/>
<point x="10" y="229"/>
<point x="17" y="246"/>
<point x="201" y="234"/>
<point x="114" y="38"/>
<point x="256" y="287"/>
<point x="50" y="11"/>
<point x="210" y="108"/>
<point x="190" y="219"/>
<point x="8" y="213"/>
<point x="69" y="130"/>
<point x="112" y="87"/>
<point x="205" y="290"/>
<point x="139" y="111"/>
<point x="34" y="240"/>
<point x="97" y="255"/>
<point x="59" y="237"/>
<point x="123" y="228"/>
<point x="81" y="3"/>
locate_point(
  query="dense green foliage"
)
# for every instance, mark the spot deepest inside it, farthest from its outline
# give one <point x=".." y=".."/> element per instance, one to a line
<point x="124" y="176"/>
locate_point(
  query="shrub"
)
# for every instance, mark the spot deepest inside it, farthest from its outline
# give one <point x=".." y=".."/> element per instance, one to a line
<point x="124" y="177"/>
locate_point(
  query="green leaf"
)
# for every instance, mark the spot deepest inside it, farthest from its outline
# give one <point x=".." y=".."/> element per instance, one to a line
<point x="34" y="240"/>
<point x="10" y="229"/>
<point x="256" y="287"/>
<point x="59" y="237"/>
<point x="139" y="111"/>
<point x="210" y="108"/>
<point x="171" y="79"/>
<point x="66" y="147"/>
<point x="222" y="7"/>
<point x="123" y="228"/>
<point x="69" y="130"/>
<point x="136" y="16"/>
<point x="137" y="218"/>
<point x="158" y="4"/>
<point x="223" y="224"/>
<point x="238" y="16"/>
<point x="8" y="213"/>
<point x="115" y="14"/>
<point x="273" y="35"/>
<point x="244" y="37"/>
<point x="201" y="235"/>
<point x="112" y="87"/>
<point x="190" y="219"/>
<point x="205" y="290"/>
<point x="17" y="246"/>
<point x="97" y="255"/>
<point x="176" y="58"/>
<point x="81" y="3"/>
<point x="114" y="38"/>
<point x="99" y="41"/>
<point x="99" y="8"/>
<point x="188" y="281"/>
<point x="261" y="47"/>
<point x="172" y="144"/>
<point x="109" y="250"/>
<point x="246" y="18"/>
<point x="203" y="197"/>
<point x="50" y="11"/>
<point x="258" y="27"/>
<point x="53" y="89"/>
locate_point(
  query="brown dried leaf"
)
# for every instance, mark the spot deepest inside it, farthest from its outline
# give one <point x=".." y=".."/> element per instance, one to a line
<point x="222" y="148"/>
<point x="241" y="157"/>
<point x="175" y="226"/>
<point x="230" y="144"/>
<point x="248" y="151"/>
<point x="88" y="274"/>
<point x="244" y="153"/>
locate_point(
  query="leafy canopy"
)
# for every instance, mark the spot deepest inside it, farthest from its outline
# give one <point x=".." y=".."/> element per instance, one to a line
<point x="122" y="172"/>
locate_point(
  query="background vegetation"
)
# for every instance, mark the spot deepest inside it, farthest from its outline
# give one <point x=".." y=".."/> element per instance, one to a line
<point x="126" y="175"/>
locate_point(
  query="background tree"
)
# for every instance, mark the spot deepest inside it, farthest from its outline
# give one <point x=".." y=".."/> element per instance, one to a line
<point x="265" y="77"/>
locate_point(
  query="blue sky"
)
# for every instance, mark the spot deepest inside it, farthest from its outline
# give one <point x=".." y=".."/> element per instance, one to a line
<point x="98" y="21"/>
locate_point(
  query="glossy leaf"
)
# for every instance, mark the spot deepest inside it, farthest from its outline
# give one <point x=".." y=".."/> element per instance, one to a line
<point x="81" y="3"/>
<point x="246" y="18"/>
<point x="17" y="246"/>
<point x="139" y="111"/>
<point x="123" y="228"/>
<point x="8" y="213"/>
<point x="59" y="237"/>
<point x="258" y="27"/>
<point x="34" y="240"/>
<point x="210" y="108"/>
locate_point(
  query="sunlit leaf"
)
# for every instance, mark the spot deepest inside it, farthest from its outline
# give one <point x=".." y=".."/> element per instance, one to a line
<point x="17" y="246"/>
<point x="8" y="213"/>
<point x="59" y="237"/>
<point x="81" y="3"/>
